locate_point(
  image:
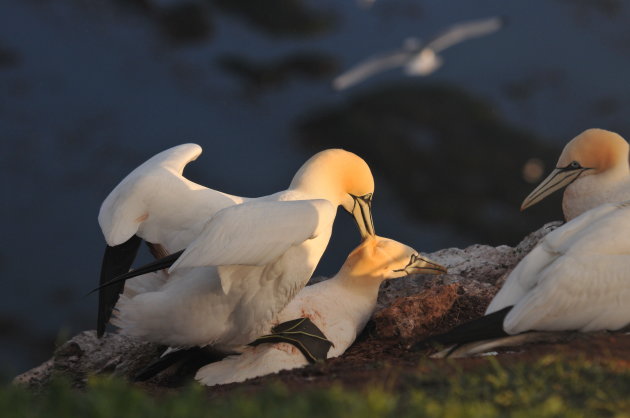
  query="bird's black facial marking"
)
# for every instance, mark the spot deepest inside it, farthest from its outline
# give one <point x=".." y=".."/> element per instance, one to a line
<point x="362" y="212"/>
<point x="426" y="266"/>
<point x="412" y="259"/>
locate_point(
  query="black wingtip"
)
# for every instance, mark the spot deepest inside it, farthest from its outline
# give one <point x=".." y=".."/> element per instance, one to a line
<point x="116" y="261"/>
<point x="156" y="265"/>
<point x="487" y="327"/>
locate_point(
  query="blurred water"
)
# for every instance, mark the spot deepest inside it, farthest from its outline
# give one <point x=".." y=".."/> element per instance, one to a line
<point x="88" y="90"/>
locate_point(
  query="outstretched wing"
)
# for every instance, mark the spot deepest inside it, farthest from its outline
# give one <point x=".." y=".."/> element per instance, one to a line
<point x="464" y="31"/>
<point x="370" y="67"/>
<point x="256" y="233"/>
<point x="156" y="202"/>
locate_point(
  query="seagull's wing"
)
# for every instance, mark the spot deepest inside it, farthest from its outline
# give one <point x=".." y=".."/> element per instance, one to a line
<point x="463" y="31"/>
<point x="256" y="233"/>
<point x="370" y="67"/>
<point x="531" y="269"/>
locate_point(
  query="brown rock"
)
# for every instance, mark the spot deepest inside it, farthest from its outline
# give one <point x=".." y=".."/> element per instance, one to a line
<point x="414" y="315"/>
<point x="412" y="308"/>
<point x="85" y="355"/>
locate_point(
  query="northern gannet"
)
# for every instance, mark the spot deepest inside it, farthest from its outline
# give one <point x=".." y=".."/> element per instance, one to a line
<point x="245" y="259"/>
<point x="340" y="307"/>
<point x="416" y="57"/>
<point x="594" y="168"/>
<point x="575" y="279"/>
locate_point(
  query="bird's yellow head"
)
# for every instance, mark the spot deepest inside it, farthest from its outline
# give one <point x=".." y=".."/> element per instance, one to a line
<point x="378" y="259"/>
<point x="593" y="152"/>
<point x="343" y="178"/>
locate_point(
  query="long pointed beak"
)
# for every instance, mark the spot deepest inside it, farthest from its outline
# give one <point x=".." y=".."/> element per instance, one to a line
<point x="557" y="179"/>
<point x="419" y="264"/>
<point x="362" y="213"/>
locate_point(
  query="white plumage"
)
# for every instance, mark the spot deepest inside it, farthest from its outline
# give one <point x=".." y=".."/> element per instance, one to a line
<point x="156" y="202"/>
<point x="416" y="57"/>
<point x="340" y="307"/>
<point x="576" y="278"/>
<point x="245" y="259"/>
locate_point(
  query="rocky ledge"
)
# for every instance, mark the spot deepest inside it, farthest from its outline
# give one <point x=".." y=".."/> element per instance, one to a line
<point x="408" y="309"/>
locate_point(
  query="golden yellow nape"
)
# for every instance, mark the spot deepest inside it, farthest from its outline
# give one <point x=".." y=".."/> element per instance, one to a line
<point x="347" y="171"/>
<point x="343" y="178"/>
<point x="596" y="149"/>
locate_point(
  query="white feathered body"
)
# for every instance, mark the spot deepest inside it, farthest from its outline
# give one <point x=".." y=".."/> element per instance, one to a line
<point x="195" y="306"/>
<point x="576" y="278"/>
<point x="340" y="311"/>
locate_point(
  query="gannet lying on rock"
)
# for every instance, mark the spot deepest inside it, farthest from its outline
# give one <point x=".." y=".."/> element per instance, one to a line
<point x="594" y="168"/>
<point x="340" y="307"/>
<point x="575" y="279"/>
<point x="417" y="57"/>
<point x="242" y="263"/>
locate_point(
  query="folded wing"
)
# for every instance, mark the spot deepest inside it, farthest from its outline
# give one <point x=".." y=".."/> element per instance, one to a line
<point x="256" y="233"/>
<point x="532" y="270"/>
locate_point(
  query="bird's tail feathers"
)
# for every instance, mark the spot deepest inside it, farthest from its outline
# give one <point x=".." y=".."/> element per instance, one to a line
<point x="487" y="327"/>
<point x="478" y="347"/>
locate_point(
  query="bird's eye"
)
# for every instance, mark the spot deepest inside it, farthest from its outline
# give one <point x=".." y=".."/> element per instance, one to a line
<point x="367" y="197"/>
<point x="575" y="165"/>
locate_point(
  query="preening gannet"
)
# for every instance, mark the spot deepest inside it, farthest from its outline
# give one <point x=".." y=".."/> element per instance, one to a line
<point x="244" y="261"/>
<point x="575" y="279"/>
<point x="594" y="168"/>
<point x="340" y="307"/>
<point x="417" y="57"/>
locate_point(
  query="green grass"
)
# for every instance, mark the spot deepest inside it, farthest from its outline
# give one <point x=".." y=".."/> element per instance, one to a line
<point x="546" y="388"/>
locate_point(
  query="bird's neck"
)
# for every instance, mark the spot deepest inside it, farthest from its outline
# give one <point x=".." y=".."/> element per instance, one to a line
<point x="364" y="286"/>
<point x="591" y="191"/>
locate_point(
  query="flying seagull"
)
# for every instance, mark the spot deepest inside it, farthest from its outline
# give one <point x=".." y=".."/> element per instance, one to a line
<point x="418" y="58"/>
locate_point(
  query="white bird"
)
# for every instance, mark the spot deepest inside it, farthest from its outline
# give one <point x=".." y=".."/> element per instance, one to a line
<point x="594" y="169"/>
<point x="575" y="279"/>
<point x="244" y="262"/>
<point x="340" y="307"/>
<point x="416" y="57"/>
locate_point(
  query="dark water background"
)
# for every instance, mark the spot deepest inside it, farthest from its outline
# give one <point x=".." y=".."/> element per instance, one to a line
<point x="90" y="89"/>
